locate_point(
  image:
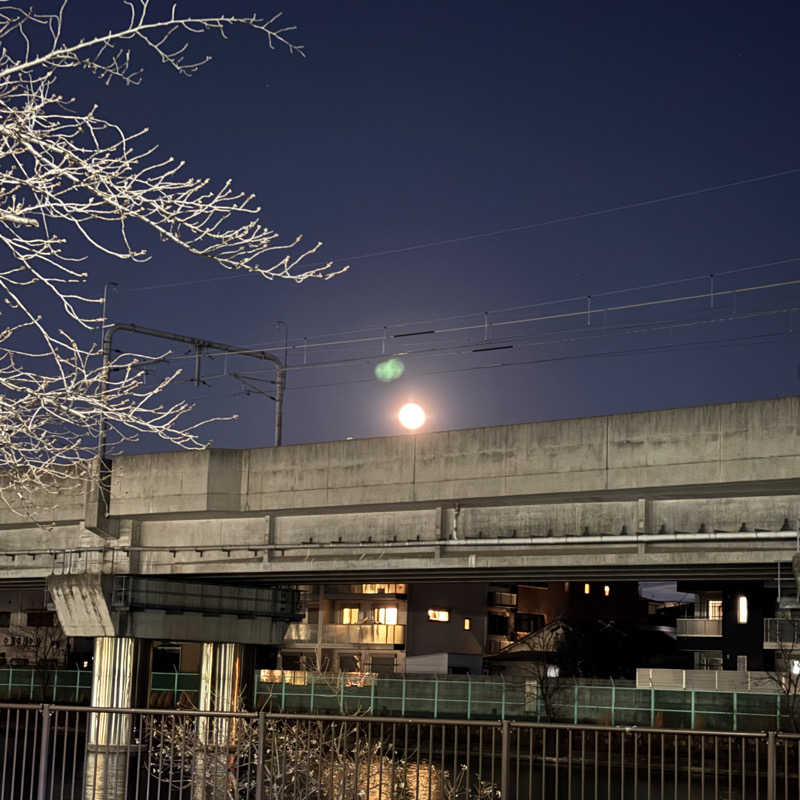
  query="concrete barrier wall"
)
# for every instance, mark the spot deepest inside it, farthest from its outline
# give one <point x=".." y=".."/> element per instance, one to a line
<point x="660" y="453"/>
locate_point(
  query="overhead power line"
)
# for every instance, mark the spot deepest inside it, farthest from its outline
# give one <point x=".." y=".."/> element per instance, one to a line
<point x="589" y="313"/>
<point x="512" y="229"/>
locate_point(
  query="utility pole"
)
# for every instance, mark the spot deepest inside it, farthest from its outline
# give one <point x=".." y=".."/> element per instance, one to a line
<point x="96" y="512"/>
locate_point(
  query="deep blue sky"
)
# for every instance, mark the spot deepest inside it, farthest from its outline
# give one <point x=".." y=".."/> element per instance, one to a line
<point x="418" y="122"/>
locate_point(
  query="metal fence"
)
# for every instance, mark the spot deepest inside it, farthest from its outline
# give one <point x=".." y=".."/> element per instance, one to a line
<point x="492" y="698"/>
<point x="68" y="753"/>
<point x="440" y="697"/>
<point x="46" y="685"/>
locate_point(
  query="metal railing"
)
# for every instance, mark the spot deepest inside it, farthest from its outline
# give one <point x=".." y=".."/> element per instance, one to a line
<point x="782" y="634"/>
<point x="42" y="684"/>
<point x="484" y="697"/>
<point x="699" y="626"/>
<point x="66" y="753"/>
<point x="346" y="634"/>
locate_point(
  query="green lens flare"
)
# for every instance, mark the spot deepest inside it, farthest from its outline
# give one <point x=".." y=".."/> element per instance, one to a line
<point x="389" y="370"/>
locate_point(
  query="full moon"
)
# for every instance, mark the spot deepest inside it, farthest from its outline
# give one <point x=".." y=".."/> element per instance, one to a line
<point x="411" y="416"/>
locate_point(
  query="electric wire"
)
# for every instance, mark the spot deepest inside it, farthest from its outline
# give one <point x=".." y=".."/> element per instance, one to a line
<point x="588" y="313"/>
<point x="513" y="229"/>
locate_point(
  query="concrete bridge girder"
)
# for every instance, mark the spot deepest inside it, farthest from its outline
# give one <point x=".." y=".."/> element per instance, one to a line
<point x="594" y="493"/>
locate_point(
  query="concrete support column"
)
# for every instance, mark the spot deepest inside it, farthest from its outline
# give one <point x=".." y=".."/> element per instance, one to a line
<point x="108" y="748"/>
<point x="221" y="685"/>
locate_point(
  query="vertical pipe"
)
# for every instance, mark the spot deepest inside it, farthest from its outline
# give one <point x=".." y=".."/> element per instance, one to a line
<point x="691" y="716"/>
<point x="283" y="690"/>
<point x="735" y="711"/>
<point x="469" y="697"/>
<point x="44" y="753"/>
<point x="435" y="696"/>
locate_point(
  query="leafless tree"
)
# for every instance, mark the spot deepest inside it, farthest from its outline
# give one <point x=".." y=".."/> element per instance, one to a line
<point x="538" y="666"/>
<point x="73" y="184"/>
<point x="309" y="759"/>
<point x="786" y="675"/>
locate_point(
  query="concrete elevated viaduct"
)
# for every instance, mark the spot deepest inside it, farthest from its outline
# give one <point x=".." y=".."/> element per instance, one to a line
<point x="182" y="543"/>
<point x="692" y="493"/>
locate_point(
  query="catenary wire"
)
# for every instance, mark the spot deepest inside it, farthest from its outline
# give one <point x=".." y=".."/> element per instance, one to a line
<point x="513" y="229"/>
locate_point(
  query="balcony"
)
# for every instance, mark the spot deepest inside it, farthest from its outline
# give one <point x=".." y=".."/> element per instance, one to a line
<point x="782" y="634"/>
<point x="302" y="633"/>
<point x="699" y="626"/>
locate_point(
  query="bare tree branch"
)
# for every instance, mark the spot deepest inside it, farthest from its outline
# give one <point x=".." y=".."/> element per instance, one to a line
<point x="73" y="184"/>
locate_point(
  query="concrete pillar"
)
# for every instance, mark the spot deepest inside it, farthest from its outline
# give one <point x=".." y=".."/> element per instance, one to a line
<point x="221" y="685"/>
<point x="108" y="747"/>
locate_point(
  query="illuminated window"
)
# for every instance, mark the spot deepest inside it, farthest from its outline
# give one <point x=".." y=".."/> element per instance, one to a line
<point x="795" y="667"/>
<point x="715" y="609"/>
<point x="566" y="586"/>
<point x="386" y="615"/>
<point x="467" y="623"/>
<point x="438" y="615"/>
<point x="606" y="590"/>
<point x="741" y="609"/>
<point x="586" y="588"/>
<point x="350" y="616"/>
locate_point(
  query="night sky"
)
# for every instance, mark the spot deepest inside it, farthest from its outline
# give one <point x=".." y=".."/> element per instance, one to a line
<point x="423" y="123"/>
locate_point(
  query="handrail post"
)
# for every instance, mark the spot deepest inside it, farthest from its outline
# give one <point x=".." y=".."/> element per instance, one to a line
<point x="283" y="690"/>
<point x="772" y="777"/>
<point x="575" y="704"/>
<point x="469" y="696"/>
<point x="44" y="753"/>
<point x="435" y="696"/>
<point x="504" y="751"/>
<point x="652" y="706"/>
<point x="260" y="758"/>
<point x="613" y="702"/>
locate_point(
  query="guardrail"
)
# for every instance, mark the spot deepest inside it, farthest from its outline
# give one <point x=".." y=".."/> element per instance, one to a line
<point x="45" y="684"/>
<point x="61" y="753"/>
<point x="782" y="634"/>
<point x="699" y="626"/>
<point x="346" y="634"/>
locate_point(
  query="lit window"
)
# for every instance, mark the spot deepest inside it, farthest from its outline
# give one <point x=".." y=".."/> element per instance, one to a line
<point x="795" y="667"/>
<point x="467" y="623"/>
<point x="386" y="615"/>
<point x="741" y="609"/>
<point x="438" y="615"/>
<point x="606" y="590"/>
<point x="715" y="609"/>
<point x="350" y="616"/>
<point x="586" y="588"/>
